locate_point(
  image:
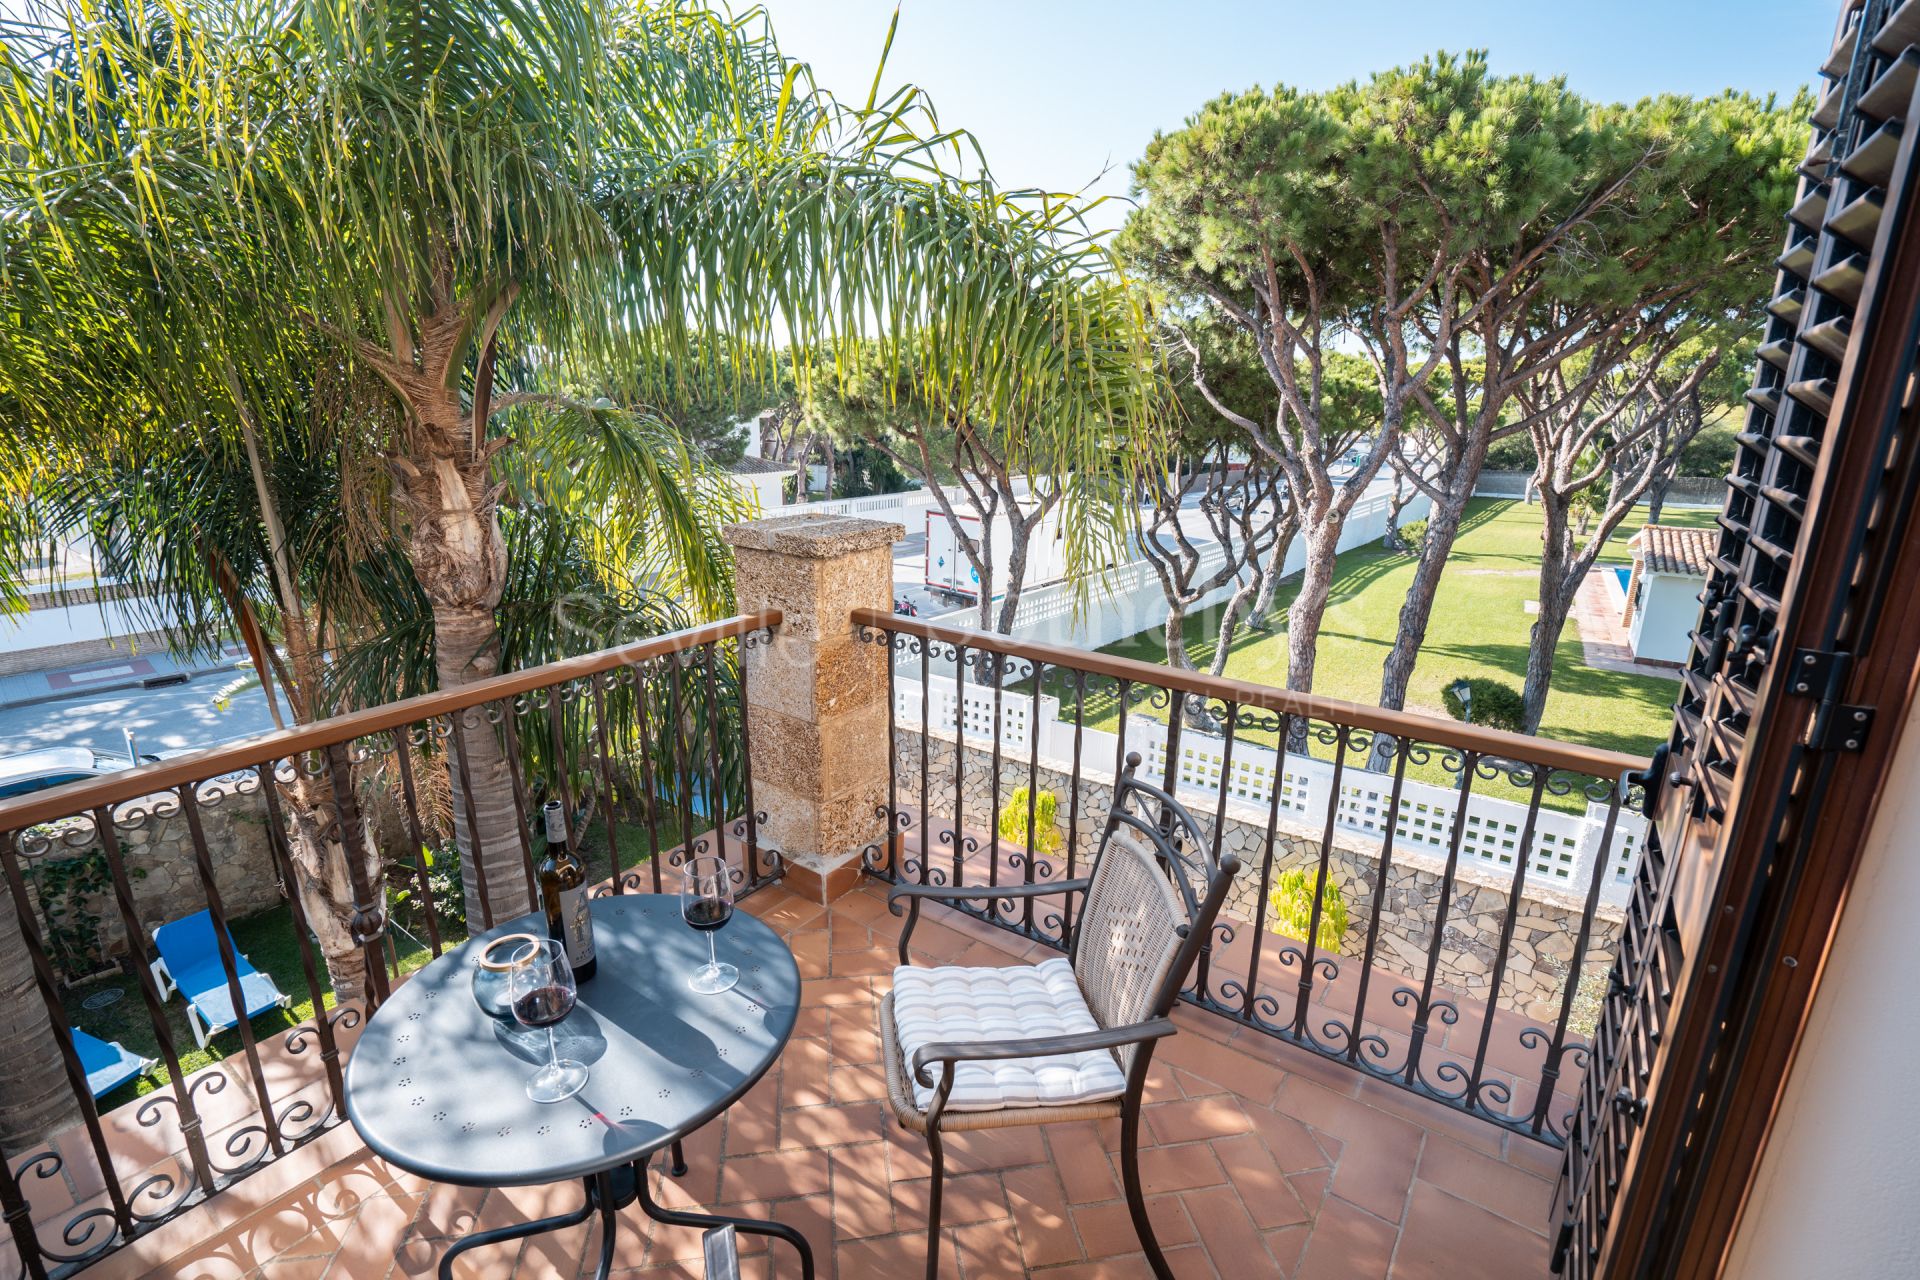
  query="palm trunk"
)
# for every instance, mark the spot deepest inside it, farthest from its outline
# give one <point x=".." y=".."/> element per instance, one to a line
<point x="320" y="871"/>
<point x="35" y="1101"/>
<point x="459" y="559"/>
<point x="325" y="884"/>
<point x="492" y="867"/>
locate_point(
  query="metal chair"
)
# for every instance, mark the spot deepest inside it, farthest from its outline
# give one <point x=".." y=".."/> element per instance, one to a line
<point x="1151" y="899"/>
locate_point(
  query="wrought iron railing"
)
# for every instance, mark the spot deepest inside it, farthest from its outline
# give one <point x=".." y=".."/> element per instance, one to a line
<point x="1431" y="903"/>
<point x="644" y="744"/>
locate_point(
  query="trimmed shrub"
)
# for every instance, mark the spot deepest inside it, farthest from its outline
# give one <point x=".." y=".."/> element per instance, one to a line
<point x="1496" y="705"/>
<point x="1413" y="536"/>
<point x="1046" y="828"/>
<point x="1291" y="902"/>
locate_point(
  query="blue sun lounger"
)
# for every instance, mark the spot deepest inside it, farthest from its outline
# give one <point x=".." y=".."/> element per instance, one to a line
<point x="107" y="1063"/>
<point x="190" y="963"/>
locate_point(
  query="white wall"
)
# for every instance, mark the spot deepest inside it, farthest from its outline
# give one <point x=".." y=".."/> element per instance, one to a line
<point x="69" y="624"/>
<point x="1128" y="600"/>
<point x="1669" y="606"/>
<point x="1839" y="1181"/>
<point x="765" y="486"/>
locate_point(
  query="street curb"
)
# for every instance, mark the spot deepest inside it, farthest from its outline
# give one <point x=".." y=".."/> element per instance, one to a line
<point x="116" y="687"/>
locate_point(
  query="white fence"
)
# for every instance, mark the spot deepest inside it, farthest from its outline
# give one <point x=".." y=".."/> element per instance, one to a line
<point x="1127" y="599"/>
<point x="1561" y="857"/>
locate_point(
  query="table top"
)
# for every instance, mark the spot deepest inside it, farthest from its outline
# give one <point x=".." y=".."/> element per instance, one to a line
<point x="438" y="1087"/>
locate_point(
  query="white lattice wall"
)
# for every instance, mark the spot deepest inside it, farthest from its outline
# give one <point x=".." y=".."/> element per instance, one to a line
<point x="1560" y="855"/>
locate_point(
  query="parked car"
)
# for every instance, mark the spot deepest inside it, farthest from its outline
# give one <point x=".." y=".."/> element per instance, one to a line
<point x="32" y="771"/>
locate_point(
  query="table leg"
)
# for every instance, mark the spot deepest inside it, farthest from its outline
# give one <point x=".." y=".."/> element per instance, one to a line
<point x="679" y="1157"/>
<point x="752" y="1226"/>
<point x="608" y="1204"/>
<point x="480" y="1239"/>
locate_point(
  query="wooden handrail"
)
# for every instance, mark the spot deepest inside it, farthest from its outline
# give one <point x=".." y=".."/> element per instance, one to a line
<point x="247" y="753"/>
<point x="1400" y="724"/>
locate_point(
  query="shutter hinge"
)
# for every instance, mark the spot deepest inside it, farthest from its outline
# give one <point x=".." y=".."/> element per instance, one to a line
<point x="1836" y="726"/>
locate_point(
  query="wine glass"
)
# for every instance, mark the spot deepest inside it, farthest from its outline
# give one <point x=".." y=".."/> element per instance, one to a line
<point x="543" y="994"/>
<point x="706" y="900"/>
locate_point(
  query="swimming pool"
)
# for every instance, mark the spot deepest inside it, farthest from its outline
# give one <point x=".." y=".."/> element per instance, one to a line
<point x="1625" y="576"/>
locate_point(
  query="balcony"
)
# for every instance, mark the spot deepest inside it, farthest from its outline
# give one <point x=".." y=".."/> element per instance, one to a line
<point x="1377" y="1055"/>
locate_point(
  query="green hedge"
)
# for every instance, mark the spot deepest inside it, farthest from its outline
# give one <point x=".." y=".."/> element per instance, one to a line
<point x="1496" y="705"/>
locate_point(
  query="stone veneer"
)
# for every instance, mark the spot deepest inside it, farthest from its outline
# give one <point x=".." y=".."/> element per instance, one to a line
<point x="157" y="849"/>
<point x="1544" y="932"/>
<point x="816" y="692"/>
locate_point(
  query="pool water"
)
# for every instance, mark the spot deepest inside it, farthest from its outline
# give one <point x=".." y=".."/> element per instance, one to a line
<point x="1625" y="576"/>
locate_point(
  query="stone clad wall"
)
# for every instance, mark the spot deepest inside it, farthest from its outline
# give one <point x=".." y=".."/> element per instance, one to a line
<point x="157" y="848"/>
<point x="1544" y="931"/>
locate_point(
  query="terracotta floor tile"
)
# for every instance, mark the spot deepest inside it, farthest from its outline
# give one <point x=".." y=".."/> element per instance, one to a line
<point x="984" y="1149"/>
<point x="899" y="1257"/>
<point x="861" y="1083"/>
<point x="1082" y="1160"/>
<point x="1261" y="1159"/>
<point x="1229" y="1235"/>
<point x="988" y="1250"/>
<point x="1179" y="1168"/>
<point x="1294" y="1147"/>
<point x="1252" y="1173"/>
<point x="772" y="1177"/>
<point x="1514" y="1194"/>
<point x="1197" y="1119"/>
<point x="1038" y="1204"/>
<point x="1443" y="1232"/>
<point x="1348" y="1243"/>
<point x="965" y="1199"/>
<point x="1376" y="1177"/>
<point x="1107" y="1229"/>
<point x="863" y="1201"/>
<point x="831" y="1126"/>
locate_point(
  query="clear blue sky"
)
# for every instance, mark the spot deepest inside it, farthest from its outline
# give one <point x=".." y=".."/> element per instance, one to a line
<point x="1060" y="90"/>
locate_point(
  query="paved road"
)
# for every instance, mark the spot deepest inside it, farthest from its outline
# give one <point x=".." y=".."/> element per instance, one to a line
<point x="174" y="718"/>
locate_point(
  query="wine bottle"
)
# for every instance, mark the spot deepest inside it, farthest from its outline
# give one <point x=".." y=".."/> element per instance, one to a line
<point x="563" y="895"/>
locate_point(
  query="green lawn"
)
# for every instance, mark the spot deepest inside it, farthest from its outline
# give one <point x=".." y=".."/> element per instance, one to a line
<point x="1479" y="628"/>
<point x="268" y="940"/>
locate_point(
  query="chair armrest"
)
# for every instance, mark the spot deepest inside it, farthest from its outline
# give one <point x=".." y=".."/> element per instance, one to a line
<point x="948" y="1052"/>
<point x="982" y="892"/>
<point x="915" y="894"/>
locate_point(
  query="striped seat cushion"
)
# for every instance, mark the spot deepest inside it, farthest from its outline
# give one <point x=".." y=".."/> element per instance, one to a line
<point x="954" y="1004"/>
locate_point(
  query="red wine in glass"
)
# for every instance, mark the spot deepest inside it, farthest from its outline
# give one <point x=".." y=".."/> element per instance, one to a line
<point x="543" y="1006"/>
<point x="706" y="900"/>
<point x="541" y="991"/>
<point x="705" y="914"/>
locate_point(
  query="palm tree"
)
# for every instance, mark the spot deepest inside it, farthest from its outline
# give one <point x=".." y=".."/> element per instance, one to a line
<point x="208" y="212"/>
<point x="422" y="190"/>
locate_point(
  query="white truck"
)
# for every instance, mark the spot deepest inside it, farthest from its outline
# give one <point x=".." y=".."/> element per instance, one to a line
<point x="951" y="572"/>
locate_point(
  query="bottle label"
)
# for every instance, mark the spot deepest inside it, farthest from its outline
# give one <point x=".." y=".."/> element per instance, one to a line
<point x="556" y="823"/>
<point x="576" y="921"/>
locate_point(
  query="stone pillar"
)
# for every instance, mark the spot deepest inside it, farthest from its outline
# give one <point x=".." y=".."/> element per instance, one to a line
<point x="817" y="694"/>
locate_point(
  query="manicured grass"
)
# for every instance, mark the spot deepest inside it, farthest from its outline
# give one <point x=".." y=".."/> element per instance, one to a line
<point x="269" y="941"/>
<point x="1479" y="627"/>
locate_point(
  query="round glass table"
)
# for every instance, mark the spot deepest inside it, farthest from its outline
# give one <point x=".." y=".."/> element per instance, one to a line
<point x="437" y="1087"/>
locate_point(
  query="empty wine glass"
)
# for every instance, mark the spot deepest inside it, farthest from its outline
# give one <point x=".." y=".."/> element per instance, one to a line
<point x="543" y="994"/>
<point x="706" y="900"/>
